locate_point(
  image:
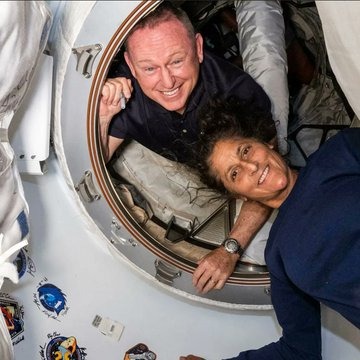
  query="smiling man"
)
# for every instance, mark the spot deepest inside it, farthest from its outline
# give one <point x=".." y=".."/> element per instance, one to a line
<point x="166" y="79"/>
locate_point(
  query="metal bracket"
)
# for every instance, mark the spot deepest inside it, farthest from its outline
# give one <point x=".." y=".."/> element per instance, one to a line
<point x="116" y="237"/>
<point x="140" y="352"/>
<point x="146" y="356"/>
<point x="267" y="290"/>
<point x="87" y="189"/>
<point x="85" y="56"/>
<point x="165" y="272"/>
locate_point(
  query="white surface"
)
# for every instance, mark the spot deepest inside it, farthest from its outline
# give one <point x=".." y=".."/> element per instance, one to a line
<point x="340" y="22"/>
<point x="96" y="283"/>
<point x="32" y="136"/>
<point x="78" y="25"/>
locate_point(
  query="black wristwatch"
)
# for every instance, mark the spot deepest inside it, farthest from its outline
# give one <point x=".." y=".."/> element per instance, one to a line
<point x="232" y="246"/>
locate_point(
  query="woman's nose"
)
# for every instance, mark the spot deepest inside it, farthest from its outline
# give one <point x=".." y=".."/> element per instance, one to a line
<point x="251" y="166"/>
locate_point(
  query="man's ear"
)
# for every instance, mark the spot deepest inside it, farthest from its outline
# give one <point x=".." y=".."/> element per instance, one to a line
<point x="129" y="63"/>
<point x="199" y="47"/>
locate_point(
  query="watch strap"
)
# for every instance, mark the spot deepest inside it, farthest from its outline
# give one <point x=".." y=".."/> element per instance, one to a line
<point x="239" y="251"/>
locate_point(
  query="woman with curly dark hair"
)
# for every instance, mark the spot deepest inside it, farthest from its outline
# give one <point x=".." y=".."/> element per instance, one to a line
<point x="229" y="119"/>
<point x="313" y="249"/>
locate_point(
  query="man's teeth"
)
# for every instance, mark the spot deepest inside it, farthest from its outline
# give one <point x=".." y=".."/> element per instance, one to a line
<point x="263" y="175"/>
<point x="169" y="93"/>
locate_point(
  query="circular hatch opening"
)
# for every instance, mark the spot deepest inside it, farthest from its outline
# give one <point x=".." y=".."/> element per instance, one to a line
<point x="161" y="203"/>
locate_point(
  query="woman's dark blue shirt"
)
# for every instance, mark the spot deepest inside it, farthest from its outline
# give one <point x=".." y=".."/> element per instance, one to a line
<point x="313" y="250"/>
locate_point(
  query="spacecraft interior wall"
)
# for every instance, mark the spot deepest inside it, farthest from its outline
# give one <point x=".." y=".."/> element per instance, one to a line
<point x="72" y="258"/>
<point x="84" y="46"/>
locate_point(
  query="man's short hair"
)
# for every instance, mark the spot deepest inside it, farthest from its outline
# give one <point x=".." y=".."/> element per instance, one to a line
<point x="164" y="12"/>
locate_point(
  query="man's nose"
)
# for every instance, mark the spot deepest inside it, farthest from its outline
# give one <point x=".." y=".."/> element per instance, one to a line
<point x="167" y="78"/>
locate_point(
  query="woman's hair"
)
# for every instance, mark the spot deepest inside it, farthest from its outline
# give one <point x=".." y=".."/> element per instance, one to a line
<point x="164" y="12"/>
<point x="230" y="118"/>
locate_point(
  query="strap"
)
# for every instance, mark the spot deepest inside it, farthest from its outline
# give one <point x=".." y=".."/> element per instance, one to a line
<point x="8" y="269"/>
<point x="4" y="135"/>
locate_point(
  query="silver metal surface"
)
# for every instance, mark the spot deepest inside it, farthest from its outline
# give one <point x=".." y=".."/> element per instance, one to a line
<point x="246" y="288"/>
<point x="166" y="273"/>
<point x="85" y="56"/>
<point x="86" y="188"/>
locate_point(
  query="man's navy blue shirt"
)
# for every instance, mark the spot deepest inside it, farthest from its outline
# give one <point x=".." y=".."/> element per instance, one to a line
<point x="169" y="133"/>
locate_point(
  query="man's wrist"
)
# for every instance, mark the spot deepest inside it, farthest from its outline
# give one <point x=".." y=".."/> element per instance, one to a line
<point x="105" y="119"/>
<point x="232" y="246"/>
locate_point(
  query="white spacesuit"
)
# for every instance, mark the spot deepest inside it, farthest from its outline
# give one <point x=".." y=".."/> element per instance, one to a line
<point x="24" y="27"/>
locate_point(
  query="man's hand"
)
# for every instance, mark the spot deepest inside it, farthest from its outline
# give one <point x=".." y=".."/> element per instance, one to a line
<point x="191" y="357"/>
<point x="113" y="91"/>
<point x="214" y="269"/>
<point x="114" y="95"/>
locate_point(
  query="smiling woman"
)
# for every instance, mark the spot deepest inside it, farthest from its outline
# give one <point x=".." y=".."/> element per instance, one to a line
<point x="253" y="170"/>
<point x="237" y="152"/>
<point x="232" y="119"/>
<point x="324" y="238"/>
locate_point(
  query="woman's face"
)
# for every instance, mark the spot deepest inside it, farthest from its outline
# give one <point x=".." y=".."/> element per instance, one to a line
<point x="251" y="169"/>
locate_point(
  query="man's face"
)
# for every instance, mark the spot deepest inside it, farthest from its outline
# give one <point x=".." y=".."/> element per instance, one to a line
<point x="165" y="62"/>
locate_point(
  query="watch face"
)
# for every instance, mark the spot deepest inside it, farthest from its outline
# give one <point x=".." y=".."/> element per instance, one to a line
<point x="231" y="245"/>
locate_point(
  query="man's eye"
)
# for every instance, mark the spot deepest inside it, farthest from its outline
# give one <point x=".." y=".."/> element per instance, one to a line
<point x="177" y="61"/>
<point x="149" y="69"/>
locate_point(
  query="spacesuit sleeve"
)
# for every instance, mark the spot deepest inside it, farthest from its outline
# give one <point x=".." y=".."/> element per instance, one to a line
<point x="262" y="47"/>
<point x="24" y="27"/>
<point x="340" y="24"/>
<point x="299" y="316"/>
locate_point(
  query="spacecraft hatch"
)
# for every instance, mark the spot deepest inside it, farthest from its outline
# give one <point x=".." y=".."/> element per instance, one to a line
<point x="158" y="217"/>
<point x="162" y="248"/>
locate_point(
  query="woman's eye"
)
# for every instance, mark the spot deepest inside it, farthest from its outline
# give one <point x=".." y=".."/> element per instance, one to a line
<point x="234" y="174"/>
<point x="246" y="151"/>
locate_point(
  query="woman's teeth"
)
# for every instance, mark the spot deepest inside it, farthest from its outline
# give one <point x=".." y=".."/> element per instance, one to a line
<point x="263" y="175"/>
